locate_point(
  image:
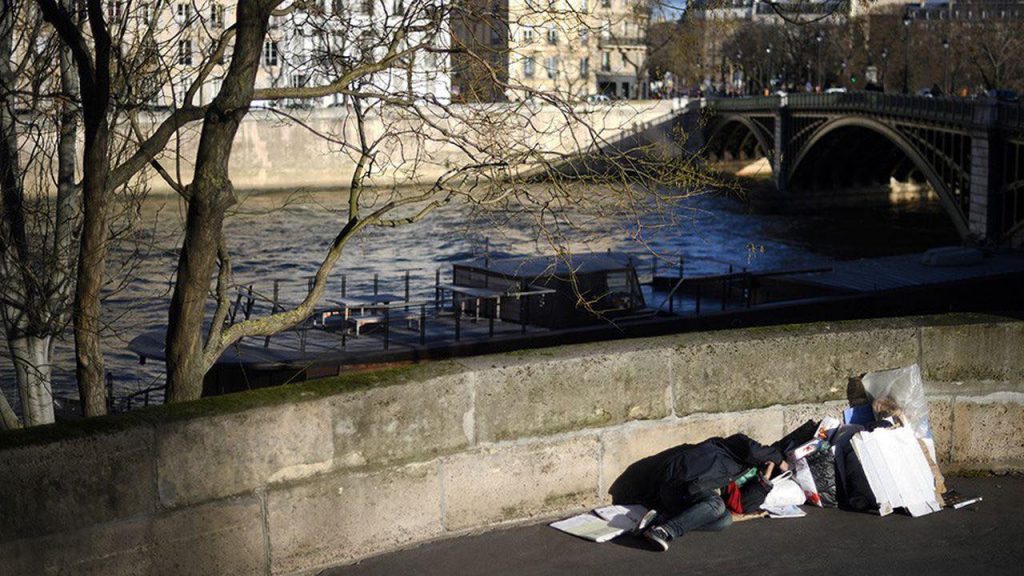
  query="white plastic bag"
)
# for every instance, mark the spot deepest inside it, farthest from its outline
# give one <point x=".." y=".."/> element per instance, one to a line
<point x="785" y="492"/>
<point x="904" y="387"/>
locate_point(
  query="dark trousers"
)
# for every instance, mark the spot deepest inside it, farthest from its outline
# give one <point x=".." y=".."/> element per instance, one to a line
<point x="707" y="513"/>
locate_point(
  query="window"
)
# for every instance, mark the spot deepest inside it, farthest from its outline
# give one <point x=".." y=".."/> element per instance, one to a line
<point x="584" y="67"/>
<point x="185" y="52"/>
<point x="184" y="11"/>
<point x="216" y="16"/>
<point x="367" y="7"/>
<point x="270" y="53"/>
<point x="146" y="11"/>
<point x="552" y="35"/>
<point x="398" y="7"/>
<point x="606" y="3"/>
<point x="606" y="61"/>
<point x="584" y="36"/>
<point x="528" y="66"/>
<point x="551" y="64"/>
<point x="527" y="35"/>
<point x="114" y="9"/>
<point x="299" y="80"/>
<point x="495" y="36"/>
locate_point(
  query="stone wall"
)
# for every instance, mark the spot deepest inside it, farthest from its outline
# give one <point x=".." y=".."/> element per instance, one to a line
<point x="290" y="480"/>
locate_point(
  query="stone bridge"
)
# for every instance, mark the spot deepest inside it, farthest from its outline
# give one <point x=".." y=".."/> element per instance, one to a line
<point x="971" y="152"/>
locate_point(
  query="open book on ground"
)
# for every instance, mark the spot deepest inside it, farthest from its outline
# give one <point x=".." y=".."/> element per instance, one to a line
<point x="609" y="522"/>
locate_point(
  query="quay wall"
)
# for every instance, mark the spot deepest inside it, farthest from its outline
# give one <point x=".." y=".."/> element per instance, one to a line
<point x="298" y="149"/>
<point x="293" y="479"/>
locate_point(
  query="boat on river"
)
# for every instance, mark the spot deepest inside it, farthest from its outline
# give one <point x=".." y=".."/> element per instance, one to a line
<point x="497" y="304"/>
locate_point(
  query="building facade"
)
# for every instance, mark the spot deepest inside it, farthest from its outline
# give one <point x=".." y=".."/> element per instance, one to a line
<point x="519" y="49"/>
<point x="305" y="46"/>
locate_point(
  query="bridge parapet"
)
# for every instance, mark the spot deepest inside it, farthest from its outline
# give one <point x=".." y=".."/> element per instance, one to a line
<point x="951" y="111"/>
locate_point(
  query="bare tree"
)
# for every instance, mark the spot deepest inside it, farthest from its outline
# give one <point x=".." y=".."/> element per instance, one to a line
<point x="36" y="235"/>
<point x="501" y="148"/>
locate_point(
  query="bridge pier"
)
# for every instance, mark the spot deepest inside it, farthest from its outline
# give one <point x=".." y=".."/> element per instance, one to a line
<point x="985" y="193"/>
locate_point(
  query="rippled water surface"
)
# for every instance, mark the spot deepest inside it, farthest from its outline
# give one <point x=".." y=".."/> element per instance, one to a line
<point x="284" y="237"/>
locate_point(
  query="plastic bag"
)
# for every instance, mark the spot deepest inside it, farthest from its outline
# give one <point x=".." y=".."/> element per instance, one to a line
<point x="899" y="394"/>
<point x="816" y="475"/>
<point x="785" y="491"/>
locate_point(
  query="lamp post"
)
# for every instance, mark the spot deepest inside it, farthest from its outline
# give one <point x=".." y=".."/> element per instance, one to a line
<point x="945" y="67"/>
<point x="819" y="37"/>
<point x="843" y="78"/>
<point x="885" y="67"/>
<point x="739" y="77"/>
<point x="770" y="70"/>
<point x="906" y="54"/>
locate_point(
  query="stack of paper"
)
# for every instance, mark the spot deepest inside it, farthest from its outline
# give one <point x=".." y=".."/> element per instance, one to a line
<point x="588" y="526"/>
<point x="610" y="522"/>
<point x="897" y="471"/>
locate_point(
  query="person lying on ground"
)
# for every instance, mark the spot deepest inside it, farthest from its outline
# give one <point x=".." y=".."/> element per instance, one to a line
<point x="686" y="490"/>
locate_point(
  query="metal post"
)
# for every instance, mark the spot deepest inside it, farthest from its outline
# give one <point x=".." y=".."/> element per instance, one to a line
<point x="680" y="266"/>
<point x="457" y="309"/>
<point x="407" y="287"/>
<point x="110" y="392"/>
<point x="387" y="327"/>
<point x="376" y="283"/>
<point x="344" y="284"/>
<point x="248" y="303"/>
<point x="423" y="324"/>
<point x="654" y="266"/>
<point x="523" y="307"/>
<point x="273" y="308"/>
<point x="437" y="290"/>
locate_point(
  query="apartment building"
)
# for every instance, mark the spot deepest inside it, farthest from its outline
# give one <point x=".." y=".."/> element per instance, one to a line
<point x="304" y="47"/>
<point x="519" y="49"/>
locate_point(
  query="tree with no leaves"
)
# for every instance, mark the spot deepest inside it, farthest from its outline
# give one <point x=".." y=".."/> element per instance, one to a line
<point x="359" y="53"/>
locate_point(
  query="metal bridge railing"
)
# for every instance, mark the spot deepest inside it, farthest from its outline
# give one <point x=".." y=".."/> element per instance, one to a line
<point x="946" y="110"/>
<point x="1010" y="116"/>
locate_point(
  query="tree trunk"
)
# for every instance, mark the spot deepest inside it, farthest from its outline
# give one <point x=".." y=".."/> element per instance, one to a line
<point x="8" y="419"/>
<point x="92" y="256"/>
<point x="185" y="369"/>
<point x="31" y="358"/>
<point x="210" y="195"/>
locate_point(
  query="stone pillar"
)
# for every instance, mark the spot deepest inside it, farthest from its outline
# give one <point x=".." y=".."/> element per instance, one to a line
<point x="983" y="208"/>
<point x="781" y="160"/>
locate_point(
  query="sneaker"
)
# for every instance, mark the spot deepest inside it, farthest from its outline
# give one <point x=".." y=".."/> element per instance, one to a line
<point x="657" y="536"/>
<point x="645" y="521"/>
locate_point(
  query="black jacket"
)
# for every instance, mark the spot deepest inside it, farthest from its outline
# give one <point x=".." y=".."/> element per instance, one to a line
<point x="690" y="471"/>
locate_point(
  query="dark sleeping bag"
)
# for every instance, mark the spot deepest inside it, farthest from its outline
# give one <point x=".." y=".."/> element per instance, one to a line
<point x="694" y="470"/>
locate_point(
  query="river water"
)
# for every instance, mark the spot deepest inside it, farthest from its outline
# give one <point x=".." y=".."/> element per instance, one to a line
<point x="283" y="237"/>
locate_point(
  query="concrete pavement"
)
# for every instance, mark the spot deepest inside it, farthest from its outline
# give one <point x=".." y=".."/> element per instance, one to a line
<point x="985" y="538"/>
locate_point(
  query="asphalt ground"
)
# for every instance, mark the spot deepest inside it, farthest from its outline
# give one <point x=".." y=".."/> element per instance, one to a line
<point x="984" y="538"/>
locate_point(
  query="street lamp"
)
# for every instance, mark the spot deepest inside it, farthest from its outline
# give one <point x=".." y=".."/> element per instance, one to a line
<point x="906" y="55"/>
<point x="885" y="66"/>
<point x="770" y="70"/>
<point x="945" y="67"/>
<point x="819" y="38"/>
<point x="741" y="80"/>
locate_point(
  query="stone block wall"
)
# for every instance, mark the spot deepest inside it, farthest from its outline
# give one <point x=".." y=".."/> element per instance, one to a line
<point x="331" y="476"/>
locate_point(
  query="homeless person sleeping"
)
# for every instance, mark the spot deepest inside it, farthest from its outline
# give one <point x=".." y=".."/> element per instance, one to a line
<point x="699" y="486"/>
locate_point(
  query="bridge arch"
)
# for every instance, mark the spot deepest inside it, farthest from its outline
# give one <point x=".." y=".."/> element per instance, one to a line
<point x="722" y="131"/>
<point x="833" y="128"/>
